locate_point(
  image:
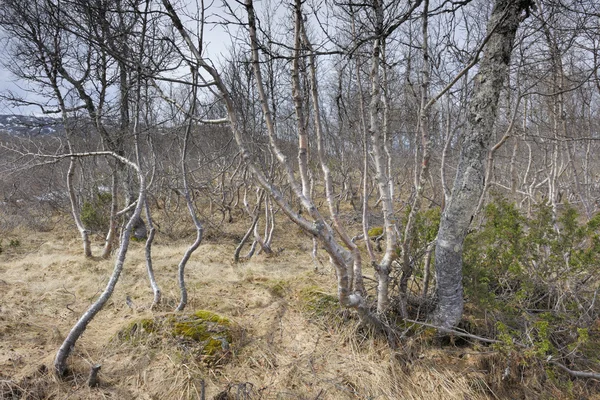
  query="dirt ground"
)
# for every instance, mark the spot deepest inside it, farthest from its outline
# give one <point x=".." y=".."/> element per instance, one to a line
<point x="282" y="348"/>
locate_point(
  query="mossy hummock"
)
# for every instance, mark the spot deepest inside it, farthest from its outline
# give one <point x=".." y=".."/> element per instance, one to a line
<point x="208" y="333"/>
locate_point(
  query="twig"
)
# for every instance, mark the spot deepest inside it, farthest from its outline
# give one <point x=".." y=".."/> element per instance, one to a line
<point x="577" y="374"/>
<point x="74" y="299"/>
<point x="458" y="333"/>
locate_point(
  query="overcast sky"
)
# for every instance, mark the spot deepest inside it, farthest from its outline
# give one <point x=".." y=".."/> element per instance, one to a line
<point x="216" y="37"/>
<point x="8" y="82"/>
<point x="217" y="41"/>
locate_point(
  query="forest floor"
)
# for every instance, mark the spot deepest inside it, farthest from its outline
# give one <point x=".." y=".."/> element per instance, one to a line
<point x="290" y="340"/>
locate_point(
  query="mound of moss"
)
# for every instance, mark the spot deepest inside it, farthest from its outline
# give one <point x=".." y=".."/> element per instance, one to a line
<point x="205" y="335"/>
<point x="211" y="331"/>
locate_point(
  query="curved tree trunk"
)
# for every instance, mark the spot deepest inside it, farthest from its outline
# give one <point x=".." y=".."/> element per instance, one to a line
<point x="318" y="227"/>
<point x="469" y="182"/>
<point x="60" y="362"/>
<point x="255" y="215"/>
<point x="190" y="204"/>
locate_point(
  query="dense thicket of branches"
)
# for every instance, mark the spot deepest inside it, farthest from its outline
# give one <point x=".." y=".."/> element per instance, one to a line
<point x="393" y="114"/>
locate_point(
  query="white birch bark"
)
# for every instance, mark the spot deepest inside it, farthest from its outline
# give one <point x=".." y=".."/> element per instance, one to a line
<point x="490" y="159"/>
<point x="156" y="291"/>
<point x="318" y="227"/>
<point x="83" y="232"/>
<point x="468" y="184"/>
<point x="255" y="216"/>
<point x="190" y="205"/>
<point x="383" y="267"/>
<point x="112" y="227"/>
<point x="60" y="361"/>
<point x="365" y="166"/>
<point x="356" y="280"/>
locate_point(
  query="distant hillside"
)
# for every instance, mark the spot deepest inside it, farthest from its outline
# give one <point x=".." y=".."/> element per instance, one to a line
<point x="29" y="125"/>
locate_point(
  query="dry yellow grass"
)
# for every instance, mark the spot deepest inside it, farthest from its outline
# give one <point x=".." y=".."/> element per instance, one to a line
<point x="280" y="352"/>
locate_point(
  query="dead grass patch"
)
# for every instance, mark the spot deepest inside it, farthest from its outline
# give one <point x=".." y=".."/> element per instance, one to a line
<point x="292" y="339"/>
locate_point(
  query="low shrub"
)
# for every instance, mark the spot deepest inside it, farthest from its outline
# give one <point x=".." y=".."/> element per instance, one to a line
<point x="537" y="278"/>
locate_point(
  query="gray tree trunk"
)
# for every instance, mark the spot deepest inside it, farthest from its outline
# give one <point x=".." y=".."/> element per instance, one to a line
<point x="469" y="182"/>
<point x="60" y="362"/>
<point x="190" y="205"/>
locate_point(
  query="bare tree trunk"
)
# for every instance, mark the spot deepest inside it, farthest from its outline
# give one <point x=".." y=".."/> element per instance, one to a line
<point x="190" y="204"/>
<point x="365" y="166"/>
<point x="85" y="234"/>
<point x="407" y="267"/>
<point x="240" y="246"/>
<point x="297" y="96"/>
<point x="386" y="125"/>
<point x="427" y="269"/>
<point x="514" y="180"/>
<point x="148" y="253"/>
<point x="383" y="267"/>
<point x="365" y="199"/>
<point x="529" y="189"/>
<point x="60" y="361"/>
<point x="157" y="293"/>
<point x="112" y="228"/>
<point x="468" y="185"/>
<point x="490" y="159"/>
<point x="318" y="227"/>
<point x="447" y="144"/>
<point x="255" y="215"/>
<point x="356" y="282"/>
<point x="270" y="225"/>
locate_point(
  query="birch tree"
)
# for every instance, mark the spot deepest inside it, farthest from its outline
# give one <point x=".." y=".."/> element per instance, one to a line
<point x="60" y="361"/>
<point x="468" y="184"/>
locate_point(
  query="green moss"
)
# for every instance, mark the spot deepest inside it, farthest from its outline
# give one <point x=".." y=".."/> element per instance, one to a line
<point x="211" y="317"/>
<point x="104" y="198"/>
<point x="190" y="329"/>
<point x="215" y="346"/>
<point x="375" y="231"/>
<point x="204" y="334"/>
<point x="211" y="331"/>
<point x="319" y="303"/>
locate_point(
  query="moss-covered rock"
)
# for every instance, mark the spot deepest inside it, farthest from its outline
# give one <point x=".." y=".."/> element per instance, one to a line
<point x="211" y="331"/>
<point x="205" y="335"/>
